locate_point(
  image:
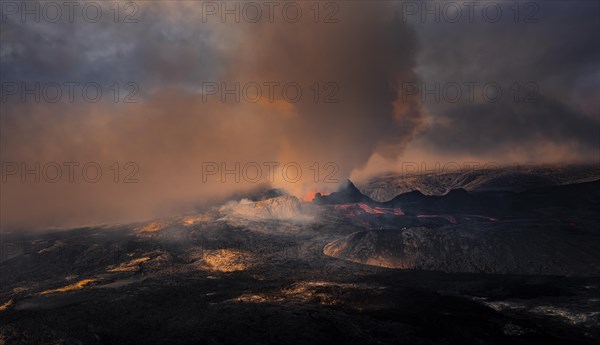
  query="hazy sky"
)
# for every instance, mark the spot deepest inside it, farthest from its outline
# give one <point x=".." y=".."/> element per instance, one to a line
<point x="335" y="90"/>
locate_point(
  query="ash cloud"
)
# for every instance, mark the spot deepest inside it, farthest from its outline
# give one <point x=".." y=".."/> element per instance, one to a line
<point x="558" y="53"/>
<point x="170" y="53"/>
<point x="522" y="131"/>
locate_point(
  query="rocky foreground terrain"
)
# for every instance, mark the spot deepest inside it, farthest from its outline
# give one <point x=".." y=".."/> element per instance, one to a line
<point x="494" y="266"/>
<point x="489" y="249"/>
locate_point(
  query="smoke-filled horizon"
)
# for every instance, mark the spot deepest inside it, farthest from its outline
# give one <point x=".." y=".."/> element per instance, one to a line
<point x="220" y="105"/>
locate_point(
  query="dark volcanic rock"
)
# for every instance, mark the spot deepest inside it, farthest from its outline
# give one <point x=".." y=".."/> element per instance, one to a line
<point x="249" y="272"/>
<point x="455" y="200"/>
<point x="508" y="179"/>
<point x="346" y="194"/>
<point x="456" y="249"/>
<point x="581" y="195"/>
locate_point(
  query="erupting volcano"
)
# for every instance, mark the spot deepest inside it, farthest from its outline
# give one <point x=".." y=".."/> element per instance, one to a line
<point x="299" y="172"/>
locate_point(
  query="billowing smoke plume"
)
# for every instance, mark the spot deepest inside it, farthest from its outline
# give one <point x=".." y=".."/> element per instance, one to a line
<point x="189" y="131"/>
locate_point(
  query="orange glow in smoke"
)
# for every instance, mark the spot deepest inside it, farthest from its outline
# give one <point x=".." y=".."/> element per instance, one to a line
<point x="309" y="196"/>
